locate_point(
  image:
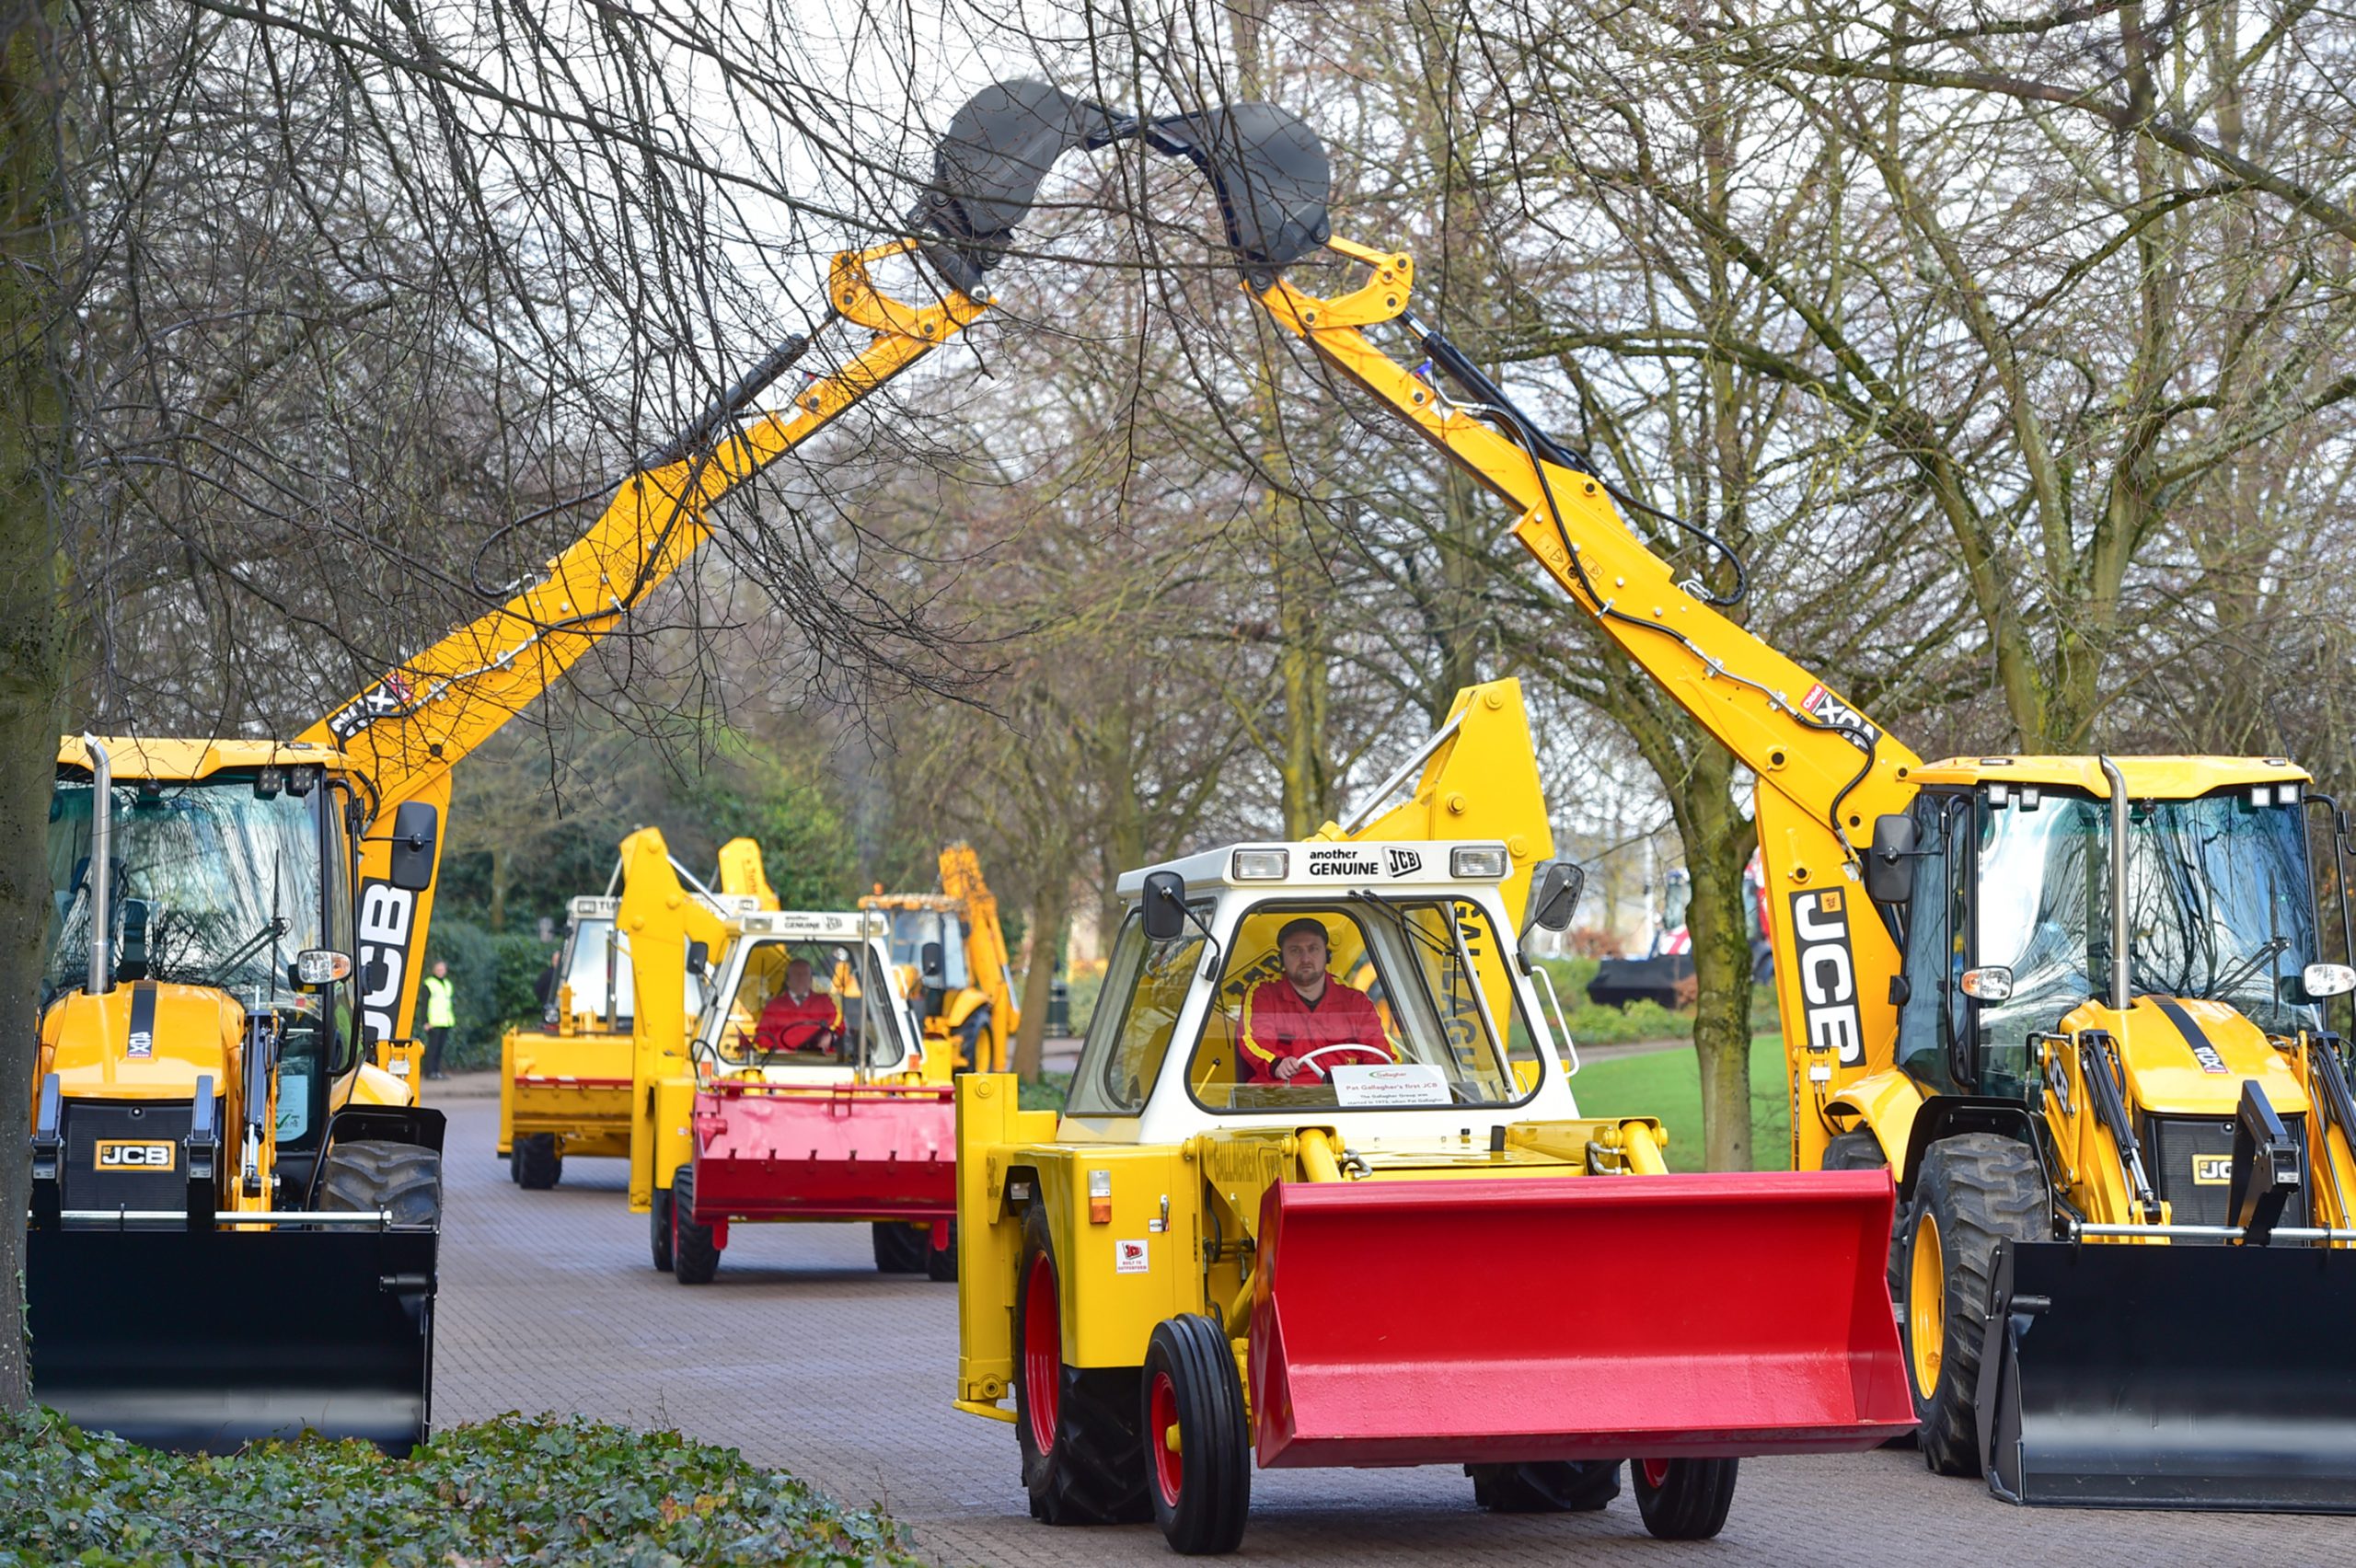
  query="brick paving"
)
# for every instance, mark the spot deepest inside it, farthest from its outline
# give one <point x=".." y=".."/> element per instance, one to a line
<point x="804" y="1357"/>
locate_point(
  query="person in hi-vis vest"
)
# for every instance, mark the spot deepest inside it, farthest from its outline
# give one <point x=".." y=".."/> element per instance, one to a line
<point x="441" y="1017"/>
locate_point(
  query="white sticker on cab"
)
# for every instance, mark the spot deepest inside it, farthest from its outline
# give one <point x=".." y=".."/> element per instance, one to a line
<point x="1130" y="1257"/>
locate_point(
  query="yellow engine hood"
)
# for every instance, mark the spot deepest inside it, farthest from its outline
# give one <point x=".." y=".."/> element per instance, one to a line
<point x="2190" y="1057"/>
<point x="145" y="1040"/>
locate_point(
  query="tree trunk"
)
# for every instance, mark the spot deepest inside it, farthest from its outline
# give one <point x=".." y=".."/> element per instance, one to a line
<point x="32" y="465"/>
<point x="502" y="868"/>
<point x="1716" y="847"/>
<point x="1049" y="913"/>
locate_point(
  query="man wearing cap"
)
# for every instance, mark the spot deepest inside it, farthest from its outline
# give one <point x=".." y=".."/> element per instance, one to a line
<point x="799" y="1018"/>
<point x="1293" y="1023"/>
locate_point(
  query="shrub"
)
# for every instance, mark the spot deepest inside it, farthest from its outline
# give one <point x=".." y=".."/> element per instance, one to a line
<point x="546" y="1489"/>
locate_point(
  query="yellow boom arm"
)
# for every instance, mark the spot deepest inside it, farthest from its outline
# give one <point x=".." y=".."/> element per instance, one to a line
<point x="407" y="732"/>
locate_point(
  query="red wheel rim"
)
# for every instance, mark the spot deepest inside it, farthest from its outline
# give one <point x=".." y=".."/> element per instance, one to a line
<point x="1043" y="1353"/>
<point x="1656" y="1472"/>
<point x="1168" y="1462"/>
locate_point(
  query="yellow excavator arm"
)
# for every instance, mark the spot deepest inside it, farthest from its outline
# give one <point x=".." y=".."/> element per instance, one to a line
<point x="742" y="874"/>
<point x="987" y="958"/>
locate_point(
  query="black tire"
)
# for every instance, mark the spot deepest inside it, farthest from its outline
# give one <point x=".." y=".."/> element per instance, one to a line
<point x="1973" y="1188"/>
<point x="970" y="1036"/>
<point x="1684" y="1499"/>
<point x="514" y="1167"/>
<point x="1859" y="1150"/>
<point x="365" y="1175"/>
<point x="694" y="1254"/>
<point x="1546" y="1486"/>
<point x="940" y="1263"/>
<point x="1201" y="1489"/>
<point x="900" y="1249"/>
<point x="658" y="1226"/>
<point x="539" y="1161"/>
<point x="1084" y="1459"/>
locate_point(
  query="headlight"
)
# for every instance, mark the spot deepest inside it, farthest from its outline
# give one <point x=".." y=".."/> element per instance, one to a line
<point x="1477" y="862"/>
<point x="1260" y="865"/>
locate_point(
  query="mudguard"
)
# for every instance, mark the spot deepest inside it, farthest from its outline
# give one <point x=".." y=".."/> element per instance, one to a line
<point x="205" y="1341"/>
<point x="2126" y="1375"/>
<point x="1496" y="1320"/>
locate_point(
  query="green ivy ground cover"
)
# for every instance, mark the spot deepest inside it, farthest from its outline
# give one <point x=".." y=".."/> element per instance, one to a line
<point x="511" y="1490"/>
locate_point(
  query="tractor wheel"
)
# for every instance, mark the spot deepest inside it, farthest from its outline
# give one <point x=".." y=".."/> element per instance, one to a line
<point x="1083" y="1458"/>
<point x="1684" y="1499"/>
<point x="695" y="1256"/>
<point x="1972" y="1189"/>
<point x="658" y="1227"/>
<point x="971" y="1035"/>
<point x="514" y="1166"/>
<point x="940" y="1263"/>
<point x="1546" y="1486"/>
<point x="539" y="1161"/>
<point x="368" y="1174"/>
<point x="1197" y="1445"/>
<point x="900" y="1249"/>
<point x="1859" y="1150"/>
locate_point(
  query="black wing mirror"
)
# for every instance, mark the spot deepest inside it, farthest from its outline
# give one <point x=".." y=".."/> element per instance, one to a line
<point x="1162" y="907"/>
<point x="414" y="850"/>
<point x="932" y="964"/>
<point x="1558" y="896"/>
<point x="699" y="958"/>
<point x="1889" y="864"/>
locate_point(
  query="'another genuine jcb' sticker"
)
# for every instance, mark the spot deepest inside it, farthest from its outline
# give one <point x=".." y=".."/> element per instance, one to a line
<point x="1828" y="973"/>
<point x="135" y="1154"/>
<point x="2213" y="1170"/>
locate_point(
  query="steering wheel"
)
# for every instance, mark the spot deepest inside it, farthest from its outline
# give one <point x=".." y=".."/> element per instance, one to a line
<point x="1308" y="1057"/>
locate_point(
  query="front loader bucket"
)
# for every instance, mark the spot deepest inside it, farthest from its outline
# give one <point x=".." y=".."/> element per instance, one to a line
<point x="1573" y="1318"/>
<point x="855" y="1152"/>
<point x="204" y="1342"/>
<point x="2135" y="1376"/>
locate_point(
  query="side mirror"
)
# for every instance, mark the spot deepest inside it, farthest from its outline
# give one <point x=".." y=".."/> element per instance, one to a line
<point x="1557" y="897"/>
<point x="1162" y="907"/>
<point x="698" y="957"/>
<point x="1889" y="864"/>
<point x="932" y="963"/>
<point x="315" y="967"/>
<point x="414" y="850"/>
<point x="2324" y="981"/>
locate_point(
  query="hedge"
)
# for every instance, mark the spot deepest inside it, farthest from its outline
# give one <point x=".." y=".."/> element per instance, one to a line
<point x="493" y="974"/>
<point x="513" y="1490"/>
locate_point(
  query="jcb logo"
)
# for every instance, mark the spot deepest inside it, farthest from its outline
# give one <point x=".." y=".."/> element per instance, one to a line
<point x="2213" y="1170"/>
<point x="386" y="916"/>
<point x="1828" y="972"/>
<point x="1405" y="862"/>
<point x="134" y="1154"/>
<point x="141" y="1046"/>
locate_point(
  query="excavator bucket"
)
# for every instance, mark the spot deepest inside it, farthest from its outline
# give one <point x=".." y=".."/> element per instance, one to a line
<point x="855" y="1151"/>
<point x="204" y="1341"/>
<point x="2133" y="1375"/>
<point x="1501" y="1319"/>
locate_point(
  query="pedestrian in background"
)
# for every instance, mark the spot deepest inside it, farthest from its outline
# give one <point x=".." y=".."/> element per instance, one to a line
<point x="441" y="1017"/>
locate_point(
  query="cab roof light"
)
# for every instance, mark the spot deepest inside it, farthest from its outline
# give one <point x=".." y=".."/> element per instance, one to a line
<point x="1999" y="794"/>
<point x="1478" y="862"/>
<point x="2288" y="794"/>
<point x="1260" y="865"/>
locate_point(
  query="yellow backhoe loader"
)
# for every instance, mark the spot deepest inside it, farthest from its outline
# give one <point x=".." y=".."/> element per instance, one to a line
<point x="564" y="1090"/>
<point x="2075" y="1005"/>
<point x="235" y="1214"/>
<point x="951" y="950"/>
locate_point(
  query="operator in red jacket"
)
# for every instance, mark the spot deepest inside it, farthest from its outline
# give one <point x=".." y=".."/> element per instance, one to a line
<point x="798" y="1018"/>
<point x="1292" y="1022"/>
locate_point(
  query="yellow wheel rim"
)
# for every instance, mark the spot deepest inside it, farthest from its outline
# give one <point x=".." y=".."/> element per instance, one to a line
<point x="1926" y="1305"/>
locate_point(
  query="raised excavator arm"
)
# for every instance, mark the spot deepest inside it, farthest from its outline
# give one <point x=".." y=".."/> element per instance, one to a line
<point x="408" y="731"/>
<point x="987" y="960"/>
<point x="742" y="875"/>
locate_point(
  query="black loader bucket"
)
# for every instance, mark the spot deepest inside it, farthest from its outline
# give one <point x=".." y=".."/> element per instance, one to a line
<point x="207" y="1341"/>
<point x="2128" y="1374"/>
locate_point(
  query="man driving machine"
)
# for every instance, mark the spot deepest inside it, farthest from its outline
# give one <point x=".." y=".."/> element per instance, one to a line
<point x="1305" y="1020"/>
<point x="799" y="1018"/>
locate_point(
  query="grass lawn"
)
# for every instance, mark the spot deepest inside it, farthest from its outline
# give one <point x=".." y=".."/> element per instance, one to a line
<point x="1668" y="1084"/>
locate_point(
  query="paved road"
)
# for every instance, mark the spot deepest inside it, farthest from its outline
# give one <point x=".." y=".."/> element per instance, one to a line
<point x="805" y="1358"/>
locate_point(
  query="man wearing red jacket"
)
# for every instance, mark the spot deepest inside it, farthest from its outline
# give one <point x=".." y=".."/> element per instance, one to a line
<point x="1292" y="1022"/>
<point x="798" y="1018"/>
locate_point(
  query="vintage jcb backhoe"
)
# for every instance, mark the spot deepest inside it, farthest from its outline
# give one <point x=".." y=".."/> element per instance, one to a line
<point x="209" y="1040"/>
<point x="826" y="1105"/>
<point x="1390" y="1238"/>
<point x="951" y="952"/>
<point x="564" y="1088"/>
<point x="2074" y="1005"/>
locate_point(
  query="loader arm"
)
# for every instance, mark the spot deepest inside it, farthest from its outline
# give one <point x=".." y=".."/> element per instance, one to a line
<point x="987" y="958"/>
<point x="662" y="917"/>
<point x="742" y="873"/>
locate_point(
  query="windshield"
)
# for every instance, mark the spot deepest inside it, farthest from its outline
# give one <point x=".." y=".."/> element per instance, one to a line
<point x="2218" y="905"/>
<point x="808" y="1004"/>
<point x="911" y="928"/>
<point x="213" y="885"/>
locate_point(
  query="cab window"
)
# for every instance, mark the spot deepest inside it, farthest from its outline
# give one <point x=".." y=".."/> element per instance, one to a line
<point x="1144" y="987"/>
<point x="807" y="1004"/>
<point x="1374" y="1004"/>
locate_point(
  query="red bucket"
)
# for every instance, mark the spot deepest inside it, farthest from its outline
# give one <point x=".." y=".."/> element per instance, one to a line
<point x="1575" y="1317"/>
<point x="859" y="1152"/>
